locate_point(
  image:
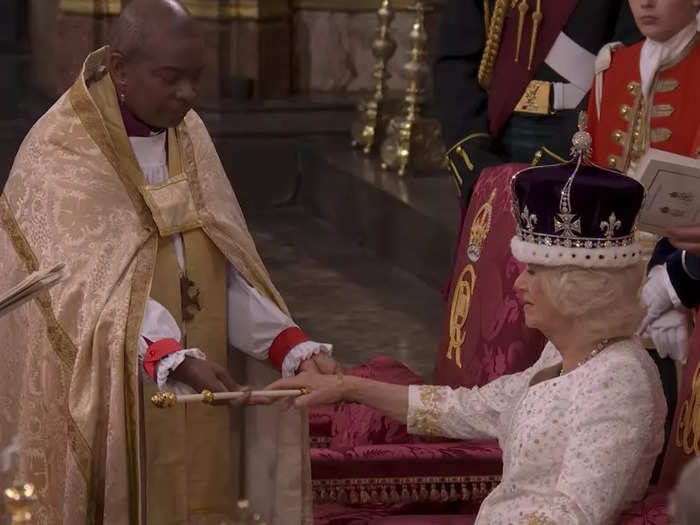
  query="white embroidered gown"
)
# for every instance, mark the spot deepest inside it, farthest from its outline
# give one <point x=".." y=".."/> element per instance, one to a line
<point x="577" y="449"/>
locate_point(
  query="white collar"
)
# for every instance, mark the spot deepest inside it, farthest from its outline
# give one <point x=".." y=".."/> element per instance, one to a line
<point x="656" y="54"/>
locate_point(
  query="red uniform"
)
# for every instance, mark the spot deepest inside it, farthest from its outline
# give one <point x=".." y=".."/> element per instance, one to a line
<point x="628" y="126"/>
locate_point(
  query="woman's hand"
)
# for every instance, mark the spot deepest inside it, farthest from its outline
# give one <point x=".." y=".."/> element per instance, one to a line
<point x="323" y="389"/>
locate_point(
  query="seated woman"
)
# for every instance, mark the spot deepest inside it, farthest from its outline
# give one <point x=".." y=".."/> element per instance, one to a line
<point x="580" y="429"/>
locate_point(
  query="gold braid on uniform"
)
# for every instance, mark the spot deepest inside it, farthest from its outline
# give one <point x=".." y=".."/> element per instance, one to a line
<point x="493" y="41"/>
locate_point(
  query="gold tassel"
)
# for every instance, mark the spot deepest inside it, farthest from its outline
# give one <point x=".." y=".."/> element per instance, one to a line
<point x="444" y="495"/>
<point x="364" y="496"/>
<point x="466" y="495"/>
<point x="434" y="494"/>
<point x="522" y="8"/>
<point x="384" y="495"/>
<point x="536" y="20"/>
<point x="394" y="496"/>
<point x="493" y="42"/>
<point x="487" y="15"/>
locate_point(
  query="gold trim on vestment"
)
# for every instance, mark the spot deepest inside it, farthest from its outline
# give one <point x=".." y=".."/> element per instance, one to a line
<point x="140" y="290"/>
<point x="90" y="116"/>
<point x="59" y="340"/>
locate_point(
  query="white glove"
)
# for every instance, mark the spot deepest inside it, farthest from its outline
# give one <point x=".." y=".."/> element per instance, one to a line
<point x="670" y="333"/>
<point x="658" y="295"/>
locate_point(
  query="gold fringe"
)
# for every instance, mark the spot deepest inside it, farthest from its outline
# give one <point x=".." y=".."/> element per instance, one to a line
<point x="320" y="442"/>
<point x="361" y="491"/>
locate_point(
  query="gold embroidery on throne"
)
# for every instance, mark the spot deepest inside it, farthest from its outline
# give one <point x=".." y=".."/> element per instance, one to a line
<point x="459" y="313"/>
<point x="688" y="432"/>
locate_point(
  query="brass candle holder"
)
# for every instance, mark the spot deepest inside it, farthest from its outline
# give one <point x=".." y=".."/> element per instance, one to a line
<point x="19" y="501"/>
<point x="411" y="139"/>
<point x="365" y="130"/>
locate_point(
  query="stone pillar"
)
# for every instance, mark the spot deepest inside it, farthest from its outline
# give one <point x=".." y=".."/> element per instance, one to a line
<point x="254" y="40"/>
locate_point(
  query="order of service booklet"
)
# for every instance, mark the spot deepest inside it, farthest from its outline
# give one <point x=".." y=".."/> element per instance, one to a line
<point x="672" y="184"/>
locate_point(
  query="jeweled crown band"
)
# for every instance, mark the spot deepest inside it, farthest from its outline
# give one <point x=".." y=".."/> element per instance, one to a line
<point x="578" y="242"/>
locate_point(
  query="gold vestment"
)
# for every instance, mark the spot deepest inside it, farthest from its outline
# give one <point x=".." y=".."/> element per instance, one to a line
<point x="70" y="385"/>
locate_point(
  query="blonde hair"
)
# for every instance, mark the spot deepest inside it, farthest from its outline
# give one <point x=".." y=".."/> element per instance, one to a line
<point x="606" y="301"/>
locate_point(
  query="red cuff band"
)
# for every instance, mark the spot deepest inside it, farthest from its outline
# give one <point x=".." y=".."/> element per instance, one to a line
<point x="283" y="343"/>
<point x="157" y="351"/>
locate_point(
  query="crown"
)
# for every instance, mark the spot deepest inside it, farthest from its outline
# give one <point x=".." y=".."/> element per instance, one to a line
<point x="481" y="225"/>
<point x="576" y="213"/>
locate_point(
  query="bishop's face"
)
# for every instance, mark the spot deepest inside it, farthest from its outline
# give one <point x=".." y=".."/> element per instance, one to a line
<point x="160" y="84"/>
<point x="661" y="19"/>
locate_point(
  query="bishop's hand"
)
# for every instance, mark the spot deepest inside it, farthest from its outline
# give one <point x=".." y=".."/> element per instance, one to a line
<point x="200" y="374"/>
<point x="321" y="363"/>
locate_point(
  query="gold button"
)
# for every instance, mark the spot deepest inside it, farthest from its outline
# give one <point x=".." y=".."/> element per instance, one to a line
<point x="617" y="136"/>
<point x="612" y="161"/>
<point x="624" y="110"/>
<point x="633" y="87"/>
<point x="636" y="135"/>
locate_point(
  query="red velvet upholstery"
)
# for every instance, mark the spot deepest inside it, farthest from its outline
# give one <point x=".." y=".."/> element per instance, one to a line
<point x="425" y="520"/>
<point x="373" y="466"/>
<point x="374" y="470"/>
<point x="484" y="333"/>
<point x="651" y="511"/>
<point x="684" y="443"/>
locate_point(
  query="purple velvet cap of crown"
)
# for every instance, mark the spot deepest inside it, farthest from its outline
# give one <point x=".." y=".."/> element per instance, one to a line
<point x="592" y="224"/>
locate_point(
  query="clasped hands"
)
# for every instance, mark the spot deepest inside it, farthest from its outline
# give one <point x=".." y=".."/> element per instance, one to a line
<point x="666" y="321"/>
<point x="201" y="374"/>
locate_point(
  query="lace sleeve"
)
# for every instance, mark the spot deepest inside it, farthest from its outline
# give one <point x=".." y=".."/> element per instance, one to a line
<point x="465" y="413"/>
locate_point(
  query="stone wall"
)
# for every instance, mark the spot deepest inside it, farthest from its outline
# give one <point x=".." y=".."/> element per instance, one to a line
<point x="332" y="49"/>
<point x="277" y="53"/>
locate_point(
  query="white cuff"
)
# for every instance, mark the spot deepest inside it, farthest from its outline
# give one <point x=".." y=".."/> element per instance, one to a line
<point x="668" y="285"/>
<point x="302" y="352"/>
<point x="169" y="363"/>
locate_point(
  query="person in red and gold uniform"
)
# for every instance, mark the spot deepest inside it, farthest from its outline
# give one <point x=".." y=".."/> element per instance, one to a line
<point x="644" y="97"/>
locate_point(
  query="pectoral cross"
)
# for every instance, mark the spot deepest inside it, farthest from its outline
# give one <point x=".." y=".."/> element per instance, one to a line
<point x="189" y="294"/>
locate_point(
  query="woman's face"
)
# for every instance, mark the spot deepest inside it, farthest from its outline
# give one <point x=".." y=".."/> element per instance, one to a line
<point x="540" y="312"/>
<point x="661" y="19"/>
